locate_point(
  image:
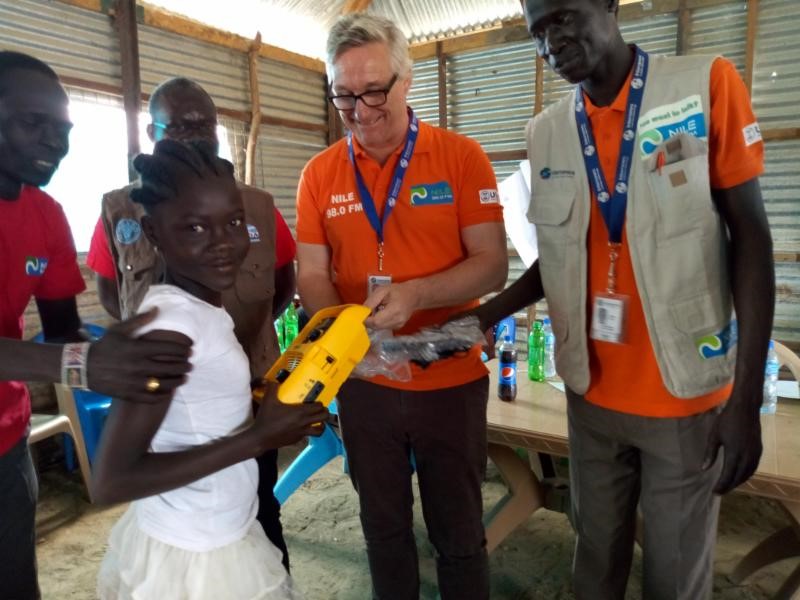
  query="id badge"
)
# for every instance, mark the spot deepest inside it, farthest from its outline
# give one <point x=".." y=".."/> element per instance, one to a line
<point x="609" y="317"/>
<point x="376" y="281"/>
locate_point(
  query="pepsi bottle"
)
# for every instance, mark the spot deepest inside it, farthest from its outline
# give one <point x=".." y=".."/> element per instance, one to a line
<point x="507" y="380"/>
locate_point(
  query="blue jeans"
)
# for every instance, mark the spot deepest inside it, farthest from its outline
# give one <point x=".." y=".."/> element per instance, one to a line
<point x="18" y="493"/>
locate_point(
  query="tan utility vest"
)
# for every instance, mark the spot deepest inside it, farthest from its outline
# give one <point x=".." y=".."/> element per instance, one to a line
<point x="678" y="242"/>
<point x="249" y="302"/>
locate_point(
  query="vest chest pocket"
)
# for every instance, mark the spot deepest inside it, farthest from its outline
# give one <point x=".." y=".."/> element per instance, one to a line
<point x="551" y="212"/>
<point x="682" y="196"/>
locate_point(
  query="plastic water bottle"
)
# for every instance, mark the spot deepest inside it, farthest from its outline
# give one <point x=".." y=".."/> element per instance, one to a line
<point x="770" y="382"/>
<point x="290" y="324"/>
<point x="507" y="377"/>
<point x="536" y="353"/>
<point x="279" y="331"/>
<point x="549" y="350"/>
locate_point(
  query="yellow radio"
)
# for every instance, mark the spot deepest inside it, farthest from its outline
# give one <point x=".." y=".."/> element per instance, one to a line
<point x="322" y="356"/>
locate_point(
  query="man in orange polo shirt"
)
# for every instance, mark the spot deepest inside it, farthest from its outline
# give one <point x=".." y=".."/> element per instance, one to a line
<point x="405" y="218"/>
<point x="651" y="229"/>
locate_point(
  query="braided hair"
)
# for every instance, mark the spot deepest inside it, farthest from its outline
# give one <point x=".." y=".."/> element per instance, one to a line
<point x="160" y="173"/>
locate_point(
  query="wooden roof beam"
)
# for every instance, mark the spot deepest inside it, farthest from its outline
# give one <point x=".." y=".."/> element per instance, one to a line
<point x="355" y="6"/>
<point x="173" y="23"/>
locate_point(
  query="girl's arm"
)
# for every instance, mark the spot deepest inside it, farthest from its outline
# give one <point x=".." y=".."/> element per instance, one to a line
<point x="126" y="470"/>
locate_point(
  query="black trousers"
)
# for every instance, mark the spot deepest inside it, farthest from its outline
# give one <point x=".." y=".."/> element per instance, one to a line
<point x="19" y="490"/>
<point x="269" y="509"/>
<point x="446" y="432"/>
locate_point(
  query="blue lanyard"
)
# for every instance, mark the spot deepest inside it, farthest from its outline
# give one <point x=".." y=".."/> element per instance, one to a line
<point x="378" y="223"/>
<point x="612" y="207"/>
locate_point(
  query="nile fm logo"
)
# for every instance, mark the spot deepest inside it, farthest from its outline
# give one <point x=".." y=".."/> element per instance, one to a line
<point x="35" y="266"/>
<point x="661" y="123"/>
<point x="431" y="193"/>
<point x="718" y="344"/>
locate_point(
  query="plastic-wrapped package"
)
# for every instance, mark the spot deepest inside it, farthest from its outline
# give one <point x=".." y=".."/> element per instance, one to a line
<point x="434" y="343"/>
<point x="391" y="356"/>
<point x="376" y="362"/>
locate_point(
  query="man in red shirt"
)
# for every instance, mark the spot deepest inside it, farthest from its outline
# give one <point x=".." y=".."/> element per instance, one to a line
<point x="651" y="230"/>
<point x="181" y="110"/>
<point x="38" y="259"/>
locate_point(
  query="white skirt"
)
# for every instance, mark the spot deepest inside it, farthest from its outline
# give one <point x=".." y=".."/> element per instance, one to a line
<point x="139" y="567"/>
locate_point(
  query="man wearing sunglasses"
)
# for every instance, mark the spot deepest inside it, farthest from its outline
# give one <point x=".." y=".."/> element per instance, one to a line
<point x="405" y="218"/>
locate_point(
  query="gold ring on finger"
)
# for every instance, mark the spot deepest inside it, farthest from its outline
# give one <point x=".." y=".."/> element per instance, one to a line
<point x="152" y="385"/>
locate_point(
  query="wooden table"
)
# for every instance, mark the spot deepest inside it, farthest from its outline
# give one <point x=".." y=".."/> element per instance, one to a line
<point x="537" y="421"/>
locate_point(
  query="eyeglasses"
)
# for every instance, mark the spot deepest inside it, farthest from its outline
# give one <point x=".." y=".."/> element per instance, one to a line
<point x="183" y="128"/>
<point x="371" y="98"/>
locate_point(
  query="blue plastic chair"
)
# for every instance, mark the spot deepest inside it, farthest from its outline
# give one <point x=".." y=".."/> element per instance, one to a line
<point x="92" y="409"/>
<point x="318" y="453"/>
<point x="92" y="412"/>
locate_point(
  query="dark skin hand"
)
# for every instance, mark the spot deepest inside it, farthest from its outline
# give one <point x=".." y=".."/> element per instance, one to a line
<point x="126" y="469"/>
<point x="118" y="366"/>
<point x="738" y="427"/>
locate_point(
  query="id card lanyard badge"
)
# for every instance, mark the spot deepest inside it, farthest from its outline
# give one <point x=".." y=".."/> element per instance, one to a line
<point x="610" y="309"/>
<point x="378" y="223"/>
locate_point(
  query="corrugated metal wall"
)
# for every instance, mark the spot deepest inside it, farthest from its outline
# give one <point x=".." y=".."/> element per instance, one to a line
<point x="424" y="96"/>
<point x="491" y="94"/>
<point x="776" y="79"/>
<point x="289" y="92"/>
<point x="780" y="185"/>
<point x="776" y="89"/>
<point x="720" y="30"/>
<point x="76" y="43"/>
<point x="282" y="154"/>
<point x="222" y="72"/>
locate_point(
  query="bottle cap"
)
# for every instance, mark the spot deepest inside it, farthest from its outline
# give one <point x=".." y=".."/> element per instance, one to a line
<point x="507" y="338"/>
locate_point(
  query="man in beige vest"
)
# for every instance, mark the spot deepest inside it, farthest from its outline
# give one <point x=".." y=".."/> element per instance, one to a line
<point x="127" y="264"/>
<point x="651" y="230"/>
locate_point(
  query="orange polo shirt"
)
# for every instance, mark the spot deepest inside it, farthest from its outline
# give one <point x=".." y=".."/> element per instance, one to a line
<point x="625" y="377"/>
<point x="449" y="185"/>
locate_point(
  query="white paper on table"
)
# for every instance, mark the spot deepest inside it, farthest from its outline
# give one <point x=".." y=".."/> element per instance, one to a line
<point x="515" y="196"/>
<point x="559" y="385"/>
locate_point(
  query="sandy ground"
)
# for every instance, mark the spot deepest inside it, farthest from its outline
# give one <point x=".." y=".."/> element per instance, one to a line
<point x="327" y="552"/>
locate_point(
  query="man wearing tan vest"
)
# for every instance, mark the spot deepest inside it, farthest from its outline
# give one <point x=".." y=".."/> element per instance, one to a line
<point x="651" y="230"/>
<point x="182" y="110"/>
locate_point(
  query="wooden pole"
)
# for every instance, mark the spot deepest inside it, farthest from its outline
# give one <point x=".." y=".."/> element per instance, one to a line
<point x="538" y="99"/>
<point x="255" y="112"/>
<point x="442" y="60"/>
<point x="125" y="22"/>
<point x="750" y="49"/>
<point x="335" y="129"/>
<point x="684" y="28"/>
